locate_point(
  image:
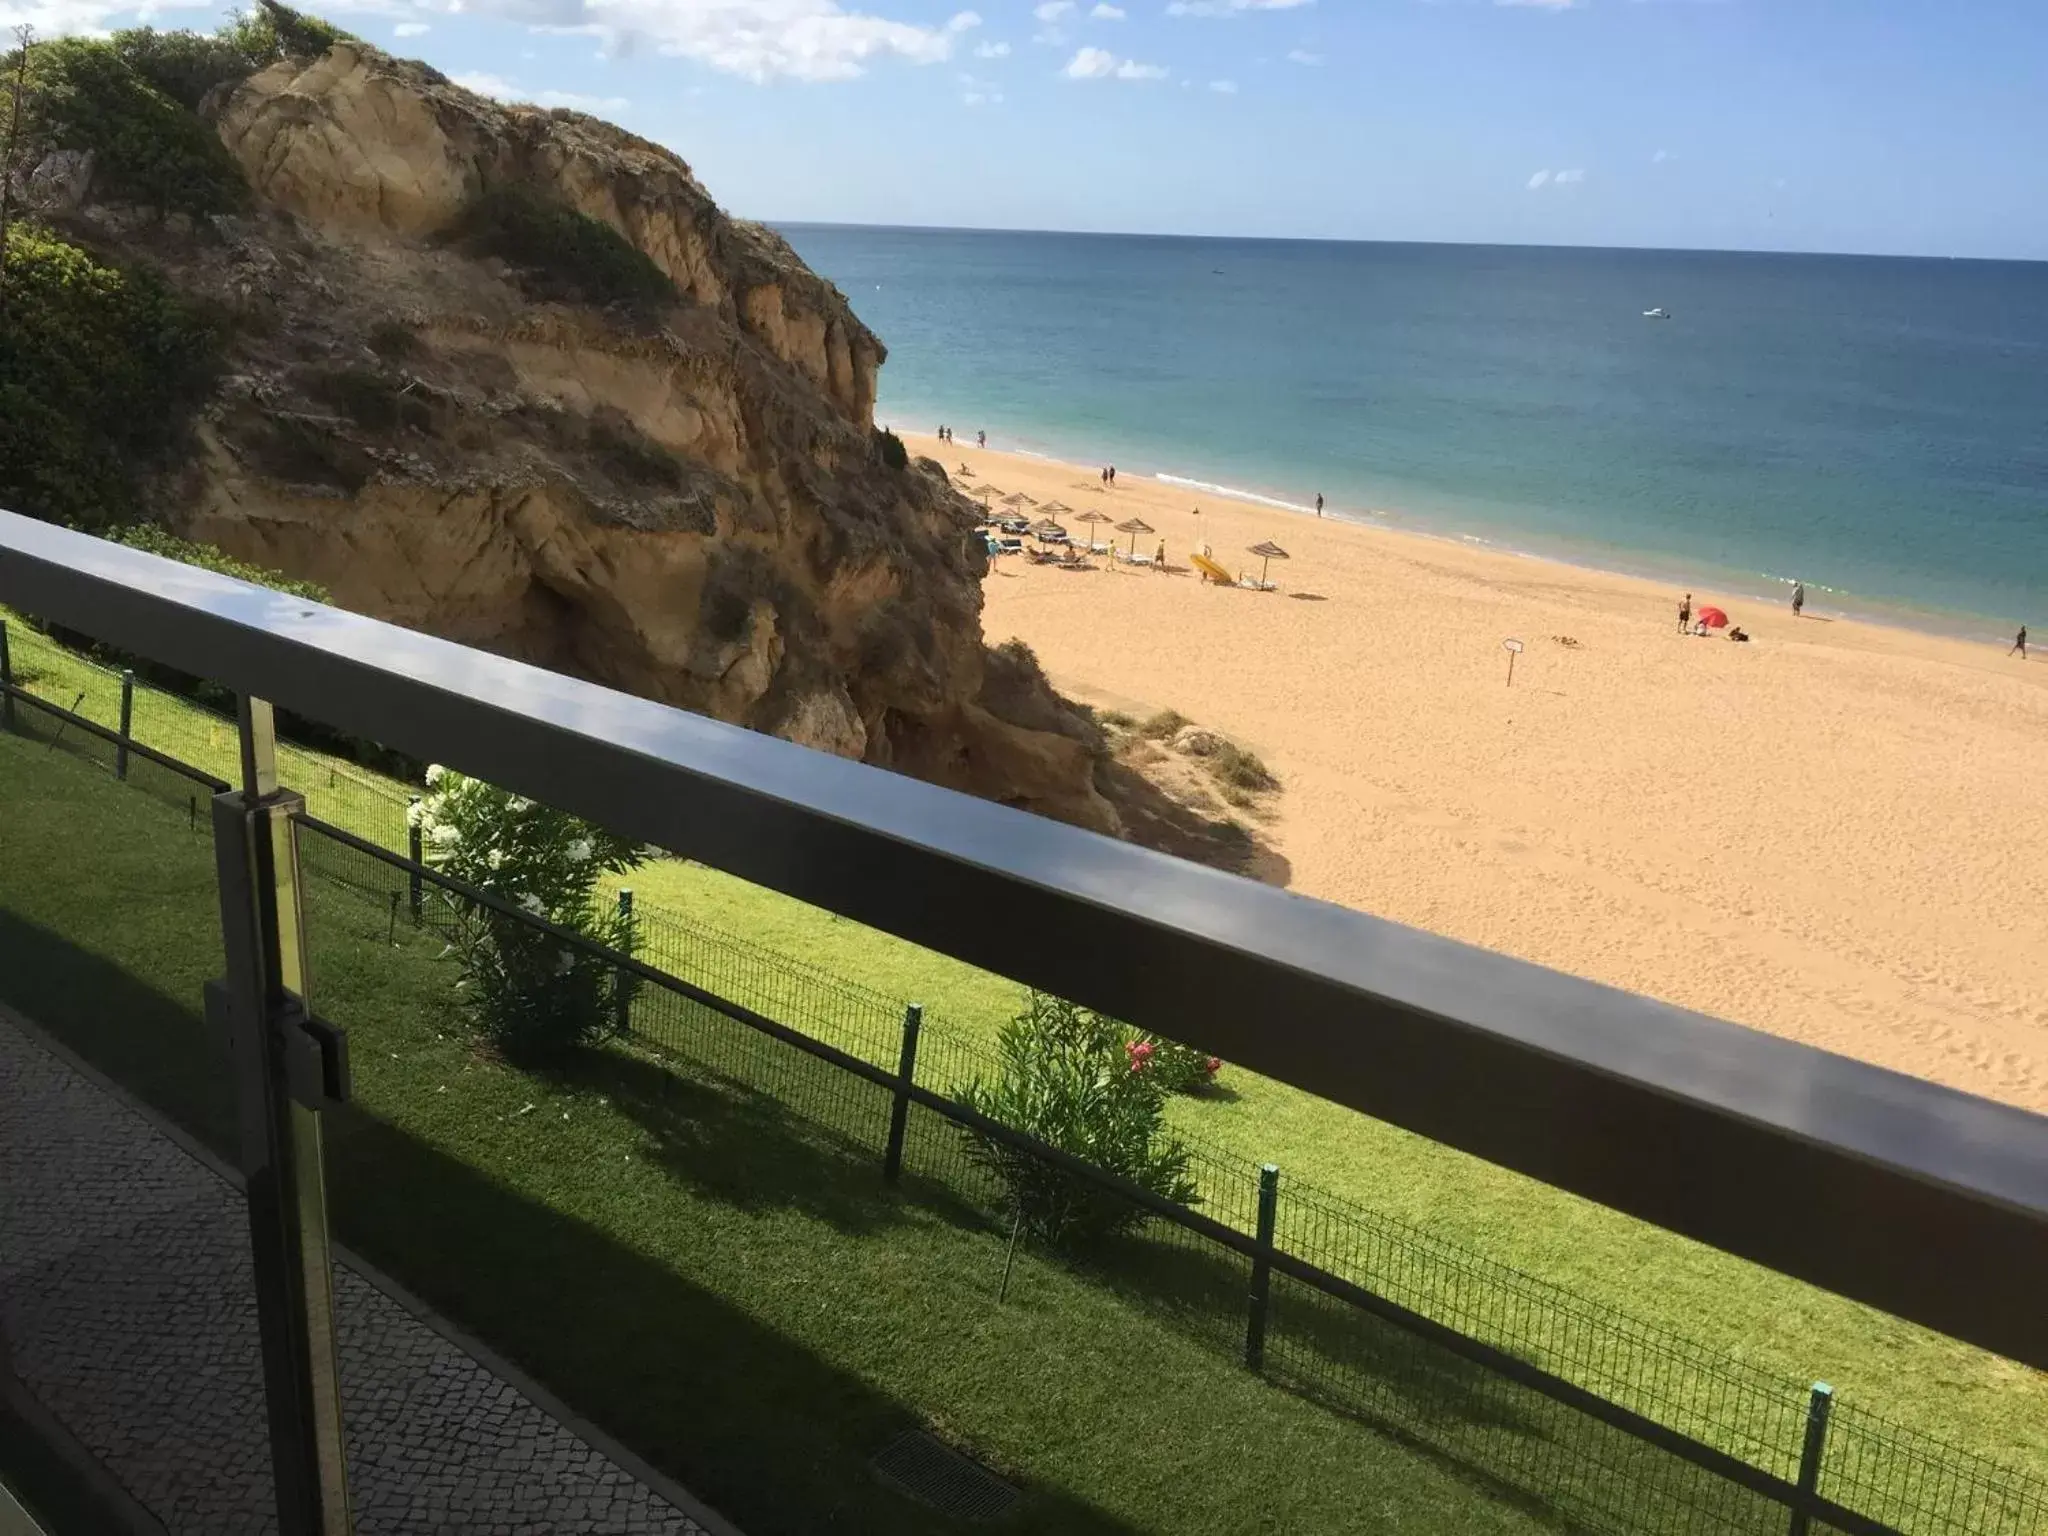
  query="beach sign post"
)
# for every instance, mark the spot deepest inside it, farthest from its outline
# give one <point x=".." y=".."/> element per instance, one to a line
<point x="1514" y="648"/>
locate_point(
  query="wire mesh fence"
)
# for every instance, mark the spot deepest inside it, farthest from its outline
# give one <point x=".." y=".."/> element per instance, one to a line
<point x="1599" y="1476"/>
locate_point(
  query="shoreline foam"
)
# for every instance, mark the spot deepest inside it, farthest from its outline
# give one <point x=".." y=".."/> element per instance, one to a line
<point x="1639" y="563"/>
<point x="1834" y="833"/>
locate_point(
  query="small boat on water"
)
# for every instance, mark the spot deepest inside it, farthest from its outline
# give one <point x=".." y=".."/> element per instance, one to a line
<point x="1659" y="313"/>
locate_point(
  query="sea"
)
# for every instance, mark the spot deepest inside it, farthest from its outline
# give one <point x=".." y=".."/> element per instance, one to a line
<point x="1876" y="427"/>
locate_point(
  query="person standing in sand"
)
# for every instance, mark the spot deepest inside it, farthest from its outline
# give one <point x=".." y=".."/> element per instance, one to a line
<point x="981" y="439"/>
<point x="2020" y="644"/>
<point x="1798" y="597"/>
<point x="1685" y="613"/>
<point x="1112" y="477"/>
<point x="1319" y="503"/>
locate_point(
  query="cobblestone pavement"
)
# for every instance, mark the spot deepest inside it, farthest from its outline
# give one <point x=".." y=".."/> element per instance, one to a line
<point x="127" y="1307"/>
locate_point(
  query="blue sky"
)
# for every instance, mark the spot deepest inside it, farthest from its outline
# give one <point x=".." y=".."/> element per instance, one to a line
<point x="1909" y="126"/>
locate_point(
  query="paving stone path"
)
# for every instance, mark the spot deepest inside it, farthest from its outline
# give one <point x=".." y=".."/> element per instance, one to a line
<point x="127" y="1309"/>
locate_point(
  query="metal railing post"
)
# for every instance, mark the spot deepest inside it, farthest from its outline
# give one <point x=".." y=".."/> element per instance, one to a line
<point x="1810" y="1454"/>
<point x="415" y="849"/>
<point x="1262" y="1269"/>
<point x="127" y="725"/>
<point x="906" y="1075"/>
<point x="6" y="682"/>
<point x="263" y="1000"/>
<point x="624" y="984"/>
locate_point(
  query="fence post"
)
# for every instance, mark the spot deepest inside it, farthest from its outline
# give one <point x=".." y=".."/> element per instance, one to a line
<point x="1262" y="1268"/>
<point x="127" y="724"/>
<point x="624" y="984"/>
<point x="899" y="1112"/>
<point x="6" y="682"/>
<point x="415" y="849"/>
<point x="1810" y="1454"/>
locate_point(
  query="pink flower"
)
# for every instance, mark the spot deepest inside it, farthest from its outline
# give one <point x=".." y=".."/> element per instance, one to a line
<point x="1140" y="1052"/>
<point x="1213" y="1065"/>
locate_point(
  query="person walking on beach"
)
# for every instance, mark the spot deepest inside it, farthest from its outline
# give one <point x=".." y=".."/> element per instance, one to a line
<point x="1105" y="477"/>
<point x="1685" y="613"/>
<point x="1112" y="477"/>
<point x="1319" y="503"/>
<point x="981" y="439"/>
<point x="2020" y="644"/>
<point x="1798" y="597"/>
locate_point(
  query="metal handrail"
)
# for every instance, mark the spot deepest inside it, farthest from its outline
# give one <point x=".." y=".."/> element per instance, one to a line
<point x="1924" y="1201"/>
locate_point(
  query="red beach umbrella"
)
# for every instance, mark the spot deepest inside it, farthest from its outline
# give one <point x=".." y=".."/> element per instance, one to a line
<point x="1713" y="618"/>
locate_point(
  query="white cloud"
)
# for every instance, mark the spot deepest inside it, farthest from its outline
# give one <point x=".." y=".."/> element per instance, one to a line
<point x="500" y="89"/>
<point x="759" y="40"/>
<point x="1660" y="157"/>
<point x="1104" y="11"/>
<point x="978" y="93"/>
<point x="409" y="29"/>
<point x="1539" y="181"/>
<point x="1229" y="7"/>
<point x="992" y="51"/>
<point x="1567" y="178"/>
<point x="1223" y="87"/>
<point x="62" y="18"/>
<point x="1101" y="64"/>
<point x="1303" y="56"/>
<point x="1053" y="10"/>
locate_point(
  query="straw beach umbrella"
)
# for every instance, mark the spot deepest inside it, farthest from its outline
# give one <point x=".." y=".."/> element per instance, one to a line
<point x="1267" y="552"/>
<point x="1092" y="516"/>
<point x="1134" y="527"/>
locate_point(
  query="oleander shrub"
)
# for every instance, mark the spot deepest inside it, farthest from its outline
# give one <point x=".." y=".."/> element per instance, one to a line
<point x="533" y="996"/>
<point x="1173" y="1067"/>
<point x="1077" y="1080"/>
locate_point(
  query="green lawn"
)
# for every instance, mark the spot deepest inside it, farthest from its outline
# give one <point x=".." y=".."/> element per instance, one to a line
<point x="1775" y="1324"/>
<point x="725" y="1285"/>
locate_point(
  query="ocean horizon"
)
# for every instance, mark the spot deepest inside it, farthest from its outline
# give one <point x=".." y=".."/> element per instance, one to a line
<point x="1875" y="426"/>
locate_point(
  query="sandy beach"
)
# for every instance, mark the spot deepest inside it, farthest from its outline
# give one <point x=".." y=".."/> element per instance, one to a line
<point x="1836" y="833"/>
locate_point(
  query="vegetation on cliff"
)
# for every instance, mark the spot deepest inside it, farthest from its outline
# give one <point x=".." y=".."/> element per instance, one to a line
<point x="101" y="369"/>
<point x="561" y="254"/>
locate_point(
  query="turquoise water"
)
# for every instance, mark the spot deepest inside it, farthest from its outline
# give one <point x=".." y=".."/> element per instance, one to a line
<point x="1877" y="427"/>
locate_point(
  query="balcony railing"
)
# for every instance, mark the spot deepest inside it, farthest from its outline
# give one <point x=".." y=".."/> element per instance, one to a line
<point x="1922" y="1201"/>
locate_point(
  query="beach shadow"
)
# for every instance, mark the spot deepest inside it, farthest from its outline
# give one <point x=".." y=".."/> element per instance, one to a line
<point x="1308" y="597"/>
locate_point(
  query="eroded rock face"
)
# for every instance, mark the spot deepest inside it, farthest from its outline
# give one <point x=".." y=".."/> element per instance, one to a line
<point x="356" y="141"/>
<point x="686" y="505"/>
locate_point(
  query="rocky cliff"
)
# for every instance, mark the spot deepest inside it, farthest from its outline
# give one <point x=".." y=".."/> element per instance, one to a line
<point x="451" y="401"/>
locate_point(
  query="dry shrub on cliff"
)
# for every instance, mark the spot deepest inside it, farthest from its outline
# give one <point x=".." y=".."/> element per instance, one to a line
<point x="890" y="450"/>
<point x="1164" y="726"/>
<point x="1239" y="769"/>
<point x="370" y="400"/>
<point x="630" y="455"/>
<point x="561" y="254"/>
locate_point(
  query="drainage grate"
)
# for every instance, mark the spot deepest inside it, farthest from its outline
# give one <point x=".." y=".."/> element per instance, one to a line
<point x="934" y="1473"/>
